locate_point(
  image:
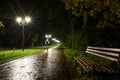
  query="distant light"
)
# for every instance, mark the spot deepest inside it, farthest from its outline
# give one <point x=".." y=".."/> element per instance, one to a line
<point x="54" y="39"/>
<point x="27" y="19"/>
<point x="57" y="41"/>
<point x="19" y="19"/>
<point x="48" y="36"/>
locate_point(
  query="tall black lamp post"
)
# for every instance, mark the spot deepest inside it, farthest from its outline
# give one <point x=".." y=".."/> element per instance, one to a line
<point x="22" y="22"/>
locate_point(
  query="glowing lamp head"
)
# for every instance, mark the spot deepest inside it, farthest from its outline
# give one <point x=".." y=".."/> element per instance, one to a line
<point x="27" y="19"/>
<point x="48" y="36"/>
<point x="19" y="19"/>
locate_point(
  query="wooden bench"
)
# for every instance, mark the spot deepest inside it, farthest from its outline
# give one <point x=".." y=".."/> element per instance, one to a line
<point x="90" y="66"/>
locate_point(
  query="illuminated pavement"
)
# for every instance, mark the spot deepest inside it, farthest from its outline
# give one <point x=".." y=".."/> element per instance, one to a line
<point x="40" y="66"/>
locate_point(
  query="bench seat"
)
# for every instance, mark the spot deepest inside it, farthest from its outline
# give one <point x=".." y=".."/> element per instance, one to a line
<point x="90" y="65"/>
<point x="109" y="54"/>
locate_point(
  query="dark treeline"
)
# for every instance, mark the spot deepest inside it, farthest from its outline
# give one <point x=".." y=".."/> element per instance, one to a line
<point x="94" y="23"/>
<point x="77" y="23"/>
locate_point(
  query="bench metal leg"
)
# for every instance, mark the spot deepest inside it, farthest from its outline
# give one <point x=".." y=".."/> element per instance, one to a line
<point x="81" y="70"/>
<point x="94" y="72"/>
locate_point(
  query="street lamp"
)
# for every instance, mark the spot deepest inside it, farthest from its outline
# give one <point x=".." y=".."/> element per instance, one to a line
<point x="22" y="22"/>
<point x="47" y="40"/>
<point x="48" y="36"/>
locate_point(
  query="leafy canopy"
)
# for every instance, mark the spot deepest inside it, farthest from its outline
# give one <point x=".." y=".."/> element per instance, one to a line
<point x="107" y="12"/>
<point x="1" y="24"/>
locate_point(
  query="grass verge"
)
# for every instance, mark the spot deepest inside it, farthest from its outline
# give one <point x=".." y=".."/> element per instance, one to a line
<point x="12" y="54"/>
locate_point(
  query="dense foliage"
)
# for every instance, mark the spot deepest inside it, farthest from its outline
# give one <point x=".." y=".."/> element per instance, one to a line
<point x="101" y="20"/>
<point x="106" y="11"/>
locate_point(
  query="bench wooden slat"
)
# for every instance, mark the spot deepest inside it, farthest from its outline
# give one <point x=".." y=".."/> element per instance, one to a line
<point x="87" y="60"/>
<point x="82" y="64"/>
<point x="103" y="56"/>
<point x="100" y="68"/>
<point x="92" y="63"/>
<point x="88" y="64"/>
<point x="104" y="53"/>
<point x="88" y="68"/>
<point x="107" y="49"/>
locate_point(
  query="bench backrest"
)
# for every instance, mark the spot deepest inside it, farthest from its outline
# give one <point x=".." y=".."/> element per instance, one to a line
<point x="112" y="54"/>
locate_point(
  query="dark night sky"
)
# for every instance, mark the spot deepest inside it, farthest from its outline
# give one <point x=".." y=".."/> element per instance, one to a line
<point x="23" y="7"/>
<point x="40" y="11"/>
<point x="37" y="9"/>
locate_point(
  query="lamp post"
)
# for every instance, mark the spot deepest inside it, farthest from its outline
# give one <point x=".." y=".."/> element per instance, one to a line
<point x="22" y="22"/>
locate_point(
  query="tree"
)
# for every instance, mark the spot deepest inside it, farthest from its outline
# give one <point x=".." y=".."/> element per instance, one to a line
<point x="34" y="39"/>
<point x="107" y="12"/>
<point x="95" y="13"/>
<point x="1" y="24"/>
<point x="3" y="31"/>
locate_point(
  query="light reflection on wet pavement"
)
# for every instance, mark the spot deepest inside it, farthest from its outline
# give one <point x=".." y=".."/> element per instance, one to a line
<point x="46" y="65"/>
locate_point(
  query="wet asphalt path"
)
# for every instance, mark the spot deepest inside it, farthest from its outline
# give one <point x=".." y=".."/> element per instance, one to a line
<point x="46" y="65"/>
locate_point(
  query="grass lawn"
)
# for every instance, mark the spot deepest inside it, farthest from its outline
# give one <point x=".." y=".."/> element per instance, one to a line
<point x="12" y="54"/>
<point x="72" y="52"/>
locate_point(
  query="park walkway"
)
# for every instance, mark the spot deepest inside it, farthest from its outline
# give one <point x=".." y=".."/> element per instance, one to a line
<point x="46" y="65"/>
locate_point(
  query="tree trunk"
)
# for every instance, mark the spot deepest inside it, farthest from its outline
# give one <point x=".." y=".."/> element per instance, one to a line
<point x="72" y="31"/>
<point x="84" y="19"/>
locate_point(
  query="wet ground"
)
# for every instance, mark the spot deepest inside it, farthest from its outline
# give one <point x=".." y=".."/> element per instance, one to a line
<point x="46" y="65"/>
